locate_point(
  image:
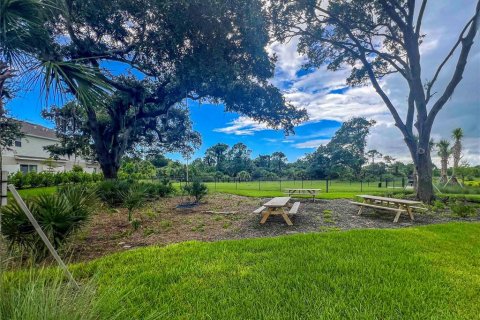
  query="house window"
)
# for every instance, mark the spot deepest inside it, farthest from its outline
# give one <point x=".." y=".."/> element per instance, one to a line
<point x="18" y="143"/>
<point x="26" y="168"/>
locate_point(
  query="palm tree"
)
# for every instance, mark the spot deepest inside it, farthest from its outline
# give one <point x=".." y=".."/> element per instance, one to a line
<point x="444" y="153"/>
<point x="457" y="134"/>
<point x="25" y="46"/>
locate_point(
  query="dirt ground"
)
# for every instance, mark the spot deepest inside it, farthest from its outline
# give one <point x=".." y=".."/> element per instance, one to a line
<point x="224" y="216"/>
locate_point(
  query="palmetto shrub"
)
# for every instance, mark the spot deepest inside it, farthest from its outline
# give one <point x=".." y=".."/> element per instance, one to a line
<point x="59" y="215"/>
<point x="112" y="191"/>
<point x="196" y="189"/>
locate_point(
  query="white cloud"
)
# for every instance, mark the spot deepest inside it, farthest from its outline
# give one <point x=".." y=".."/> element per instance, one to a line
<point x="443" y="22"/>
<point x="311" y="144"/>
<point x="243" y="126"/>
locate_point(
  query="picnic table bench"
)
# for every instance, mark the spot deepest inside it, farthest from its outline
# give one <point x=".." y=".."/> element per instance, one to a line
<point x="278" y="206"/>
<point x="398" y="206"/>
<point x="308" y="191"/>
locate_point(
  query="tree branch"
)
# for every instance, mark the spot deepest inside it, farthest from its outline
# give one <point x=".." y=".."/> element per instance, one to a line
<point x="467" y="43"/>
<point x="449" y="55"/>
<point x="420" y="17"/>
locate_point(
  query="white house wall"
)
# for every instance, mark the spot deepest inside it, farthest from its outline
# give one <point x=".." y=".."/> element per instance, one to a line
<point x="32" y="152"/>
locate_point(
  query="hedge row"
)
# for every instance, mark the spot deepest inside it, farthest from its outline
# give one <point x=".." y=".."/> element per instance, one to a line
<point x="47" y="179"/>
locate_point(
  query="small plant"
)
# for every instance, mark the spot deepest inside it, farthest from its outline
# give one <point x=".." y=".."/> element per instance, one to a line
<point x="136" y="224"/>
<point x="165" y="224"/>
<point x="327" y="216"/>
<point x="462" y="209"/>
<point x="200" y="227"/>
<point x="196" y="189"/>
<point x="438" y="206"/>
<point x="133" y="199"/>
<point x="227" y="224"/>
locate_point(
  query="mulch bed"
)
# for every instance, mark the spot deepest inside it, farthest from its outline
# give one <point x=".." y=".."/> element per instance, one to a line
<point x="224" y="216"/>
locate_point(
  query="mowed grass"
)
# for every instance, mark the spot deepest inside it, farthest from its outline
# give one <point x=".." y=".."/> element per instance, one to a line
<point x="428" y="272"/>
<point x="32" y="192"/>
<point x="336" y="189"/>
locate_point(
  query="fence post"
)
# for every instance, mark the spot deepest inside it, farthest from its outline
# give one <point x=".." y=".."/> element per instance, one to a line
<point x="280" y="184"/>
<point x="259" y="184"/>
<point x="3" y="191"/>
<point x="236" y="184"/>
<point x="361" y="185"/>
<point x="42" y="235"/>
<point x="403" y="182"/>
<point x="326" y="184"/>
<point x="386" y="183"/>
<point x="215" y="183"/>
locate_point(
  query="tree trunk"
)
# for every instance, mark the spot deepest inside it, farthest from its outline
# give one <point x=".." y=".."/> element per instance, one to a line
<point x="424" y="173"/>
<point x="110" y="171"/>
<point x="443" y="171"/>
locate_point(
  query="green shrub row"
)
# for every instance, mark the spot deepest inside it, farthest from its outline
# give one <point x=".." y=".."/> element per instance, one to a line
<point x="47" y="179"/>
<point x="113" y="192"/>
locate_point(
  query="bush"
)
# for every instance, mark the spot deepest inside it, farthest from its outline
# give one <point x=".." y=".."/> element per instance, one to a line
<point x="158" y="190"/>
<point x="461" y="209"/>
<point x="133" y="198"/>
<point x="196" y="189"/>
<point x="112" y="191"/>
<point x="59" y="215"/>
<point x="47" y="179"/>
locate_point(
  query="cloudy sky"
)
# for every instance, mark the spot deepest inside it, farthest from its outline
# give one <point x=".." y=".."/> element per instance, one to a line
<point x="326" y="97"/>
<point x="329" y="101"/>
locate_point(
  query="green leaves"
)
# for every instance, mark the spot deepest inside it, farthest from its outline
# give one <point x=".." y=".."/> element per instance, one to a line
<point x="59" y="215"/>
<point x="86" y="83"/>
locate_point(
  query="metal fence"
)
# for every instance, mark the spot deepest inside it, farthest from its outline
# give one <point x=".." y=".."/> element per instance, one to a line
<point x="327" y="186"/>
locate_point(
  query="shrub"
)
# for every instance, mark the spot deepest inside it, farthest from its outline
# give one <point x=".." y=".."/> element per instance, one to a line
<point x="196" y="189"/>
<point x="77" y="168"/>
<point x="438" y="205"/>
<point x="112" y="191"/>
<point x="59" y="215"/>
<point x="47" y="179"/>
<point x="158" y="190"/>
<point x="133" y="198"/>
<point x="461" y="209"/>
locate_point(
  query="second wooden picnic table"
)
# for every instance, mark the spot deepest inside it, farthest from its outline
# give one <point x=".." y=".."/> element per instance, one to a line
<point x="402" y="205"/>
<point x="309" y="191"/>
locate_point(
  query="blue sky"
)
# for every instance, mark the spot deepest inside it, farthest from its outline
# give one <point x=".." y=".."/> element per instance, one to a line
<point x="209" y="119"/>
<point x="329" y="101"/>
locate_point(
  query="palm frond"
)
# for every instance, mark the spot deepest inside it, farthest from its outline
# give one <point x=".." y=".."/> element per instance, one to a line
<point x="457" y="134"/>
<point x="20" y="22"/>
<point x="443" y="148"/>
<point x="75" y="78"/>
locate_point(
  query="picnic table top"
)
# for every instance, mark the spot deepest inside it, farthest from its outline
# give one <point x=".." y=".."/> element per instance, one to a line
<point x="310" y="189"/>
<point x="277" y="202"/>
<point x="402" y="201"/>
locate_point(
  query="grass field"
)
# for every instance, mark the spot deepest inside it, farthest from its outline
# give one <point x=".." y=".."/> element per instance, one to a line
<point x="428" y="272"/>
<point x="336" y="189"/>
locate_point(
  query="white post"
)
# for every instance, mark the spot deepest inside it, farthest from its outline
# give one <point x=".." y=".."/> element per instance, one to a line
<point x="3" y="191"/>
<point x="40" y="232"/>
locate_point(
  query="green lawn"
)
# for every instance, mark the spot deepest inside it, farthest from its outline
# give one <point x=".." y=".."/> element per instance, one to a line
<point x="33" y="192"/>
<point x="428" y="272"/>
<point x="337" y="189"/>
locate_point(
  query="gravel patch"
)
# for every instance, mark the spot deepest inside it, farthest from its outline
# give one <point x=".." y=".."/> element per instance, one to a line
<point x="336" y="215"/>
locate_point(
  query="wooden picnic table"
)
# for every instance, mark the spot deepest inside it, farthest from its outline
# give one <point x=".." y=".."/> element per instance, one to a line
<point x="310" y="191"/>
<point x="393" y="204"/>
<point x="276" y="206"/>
